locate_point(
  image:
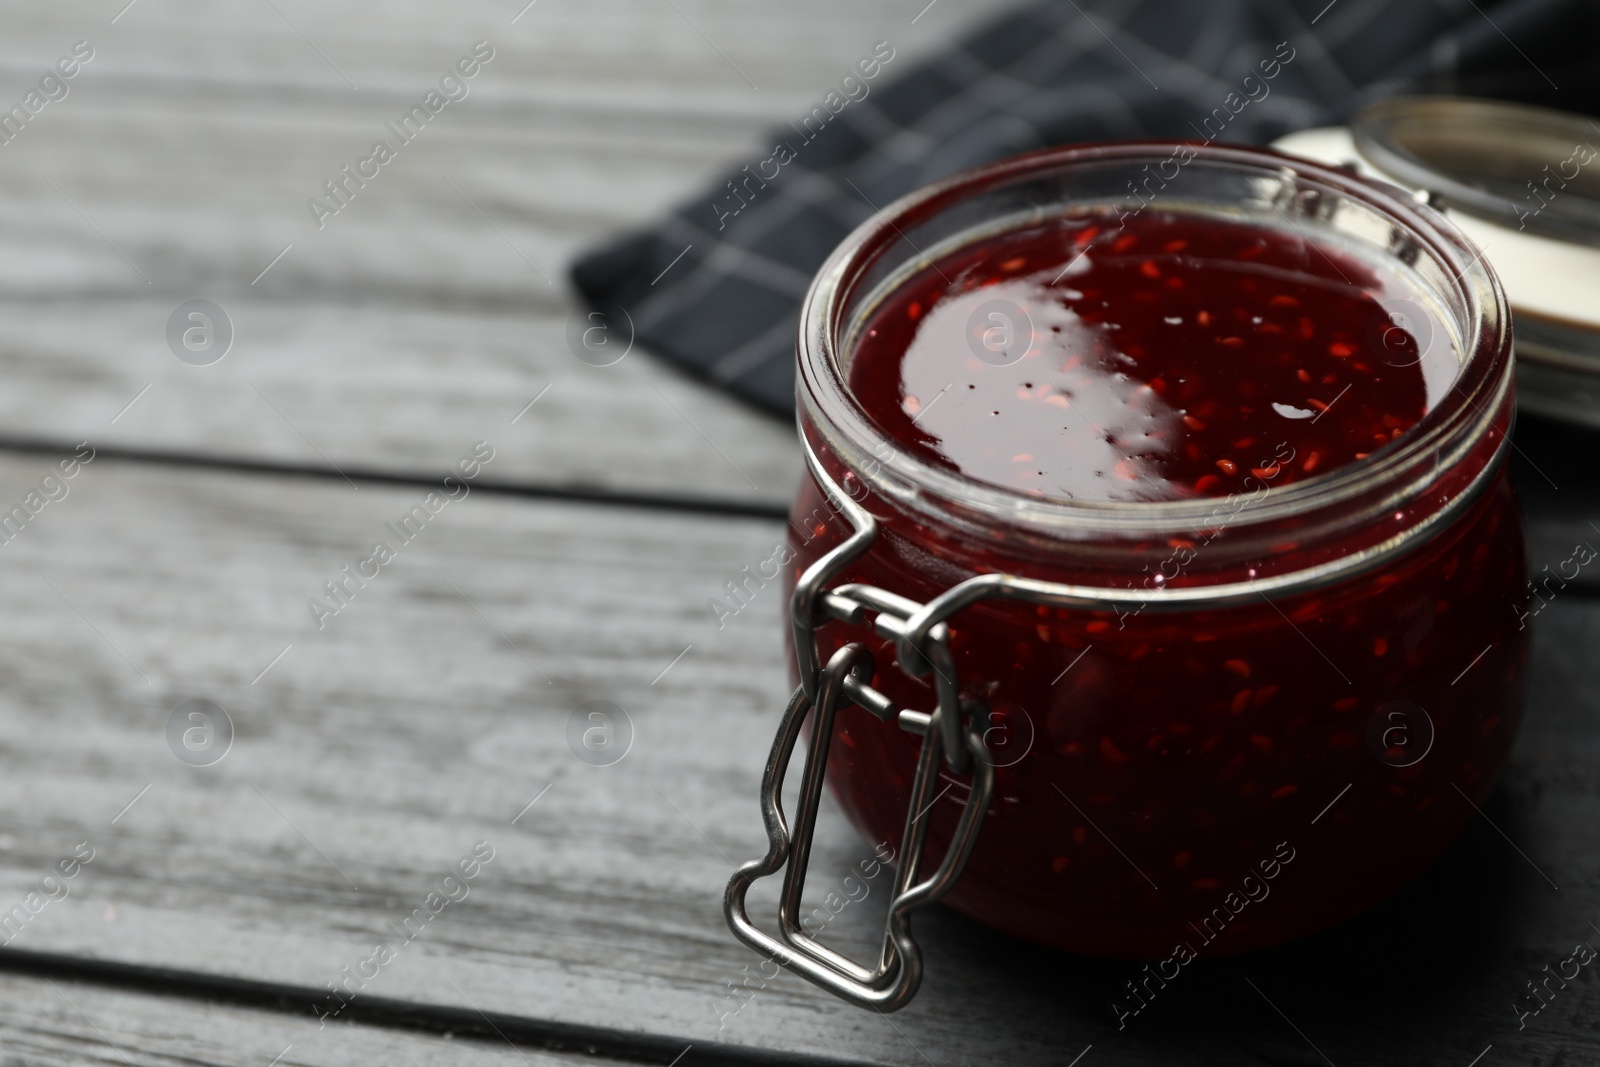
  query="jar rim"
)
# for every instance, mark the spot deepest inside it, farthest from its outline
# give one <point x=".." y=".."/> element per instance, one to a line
<point x="1476" y="399"/>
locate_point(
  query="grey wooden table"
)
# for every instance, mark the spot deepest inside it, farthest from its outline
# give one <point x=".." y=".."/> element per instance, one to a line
<point x="428" y="718"/>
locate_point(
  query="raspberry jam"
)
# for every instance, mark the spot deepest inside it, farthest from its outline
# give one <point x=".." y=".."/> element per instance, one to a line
<point x="1276" y="374"/>
<point x="1163" y="357"/>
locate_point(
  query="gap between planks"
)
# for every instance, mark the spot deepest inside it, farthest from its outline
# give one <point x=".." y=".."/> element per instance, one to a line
<point x="682" y="503"/>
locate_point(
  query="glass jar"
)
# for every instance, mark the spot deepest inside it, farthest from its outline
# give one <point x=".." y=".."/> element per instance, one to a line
<point x="1146" y="729"/>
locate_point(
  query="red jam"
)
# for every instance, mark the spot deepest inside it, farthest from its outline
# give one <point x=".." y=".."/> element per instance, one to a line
<point x="1163" y="362"/>
<point x="1160" y="765"/>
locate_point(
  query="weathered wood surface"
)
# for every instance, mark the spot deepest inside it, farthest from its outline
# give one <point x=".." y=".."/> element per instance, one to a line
<point x="46" y="1023"/>
<point x="428" y="713"/>
<point x="433" y="308"/>
<point x="376" y="752"/>
<point x="414" y="729"/>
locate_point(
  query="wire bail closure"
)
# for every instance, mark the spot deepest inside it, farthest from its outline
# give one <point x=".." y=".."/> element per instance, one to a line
<point x="952" y="737"/>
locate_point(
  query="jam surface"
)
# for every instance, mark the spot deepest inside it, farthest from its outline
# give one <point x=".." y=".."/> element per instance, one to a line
<point x="1172" y="356"/>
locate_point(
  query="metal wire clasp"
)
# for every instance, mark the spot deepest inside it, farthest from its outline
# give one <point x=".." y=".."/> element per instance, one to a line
<point x="952" y="737"/>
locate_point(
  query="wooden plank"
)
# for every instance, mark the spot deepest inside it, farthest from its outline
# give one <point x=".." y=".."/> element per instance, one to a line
<point x="434" y="709"/>
<point x="614" y="53"/>
<point x="339" y="387"/>
<point x="434" y="305"/>
<point x="46" y="1023"/>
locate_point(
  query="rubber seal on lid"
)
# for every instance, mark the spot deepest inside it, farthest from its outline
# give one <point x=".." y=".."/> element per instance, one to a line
<point x="1523" y="167"/>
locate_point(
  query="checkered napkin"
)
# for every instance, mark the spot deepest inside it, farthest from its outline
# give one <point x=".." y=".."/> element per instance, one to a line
<point x="716" y="286"/>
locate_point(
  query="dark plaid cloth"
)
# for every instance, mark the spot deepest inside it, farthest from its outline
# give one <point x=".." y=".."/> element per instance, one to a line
<point x="1052" y="73"/>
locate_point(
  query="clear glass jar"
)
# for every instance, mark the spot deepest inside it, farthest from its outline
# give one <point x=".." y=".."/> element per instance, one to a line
<point x="1287" y="705"/>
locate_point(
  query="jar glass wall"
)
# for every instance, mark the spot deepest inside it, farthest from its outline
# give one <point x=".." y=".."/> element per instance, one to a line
<point x="1219" y="776"/>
